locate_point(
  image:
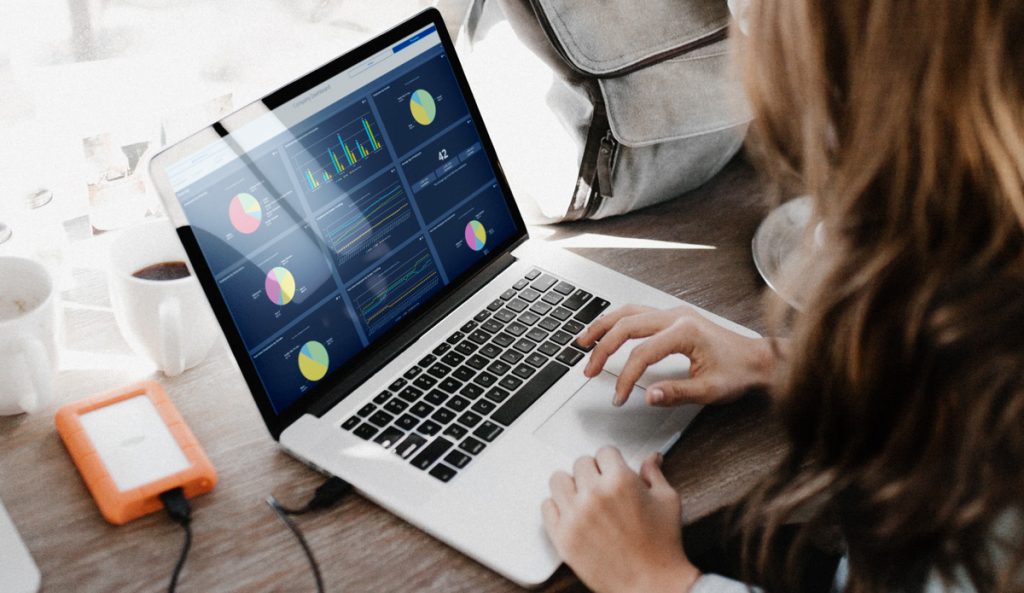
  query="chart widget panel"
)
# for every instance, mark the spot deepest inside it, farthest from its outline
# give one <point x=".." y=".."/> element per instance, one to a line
<point x="242" y="208"/>
<point x="396" y="286"/>
<point x="278" y="285"/>
<point x="366" y="224"/>
<point x="305" y="354"/>
<point x="466" y="236"/>
<point x="337" y="152"/>
<point x="420" y="104"/>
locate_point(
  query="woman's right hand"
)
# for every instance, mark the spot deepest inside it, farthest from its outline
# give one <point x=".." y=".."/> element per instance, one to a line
<point x="723" y="364"/>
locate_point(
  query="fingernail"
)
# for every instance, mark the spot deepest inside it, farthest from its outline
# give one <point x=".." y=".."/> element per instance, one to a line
<point x="660" y="459"/>
<point x="617" y="400"/>
<point x="657" y="396"/>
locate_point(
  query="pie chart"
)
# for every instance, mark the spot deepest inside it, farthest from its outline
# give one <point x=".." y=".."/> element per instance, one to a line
<point x="313" y="360"/>
<point x="476" y="235"/>
<point x="245" y="213"/>
<point x="280" y="286"/>
<point x="422" y="106"/>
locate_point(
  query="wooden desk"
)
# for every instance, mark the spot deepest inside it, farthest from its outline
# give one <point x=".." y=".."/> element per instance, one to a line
<point x="240" y="546"/>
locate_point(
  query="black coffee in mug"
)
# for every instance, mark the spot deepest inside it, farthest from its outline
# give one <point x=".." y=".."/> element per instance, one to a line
<point x="168" y="270"/>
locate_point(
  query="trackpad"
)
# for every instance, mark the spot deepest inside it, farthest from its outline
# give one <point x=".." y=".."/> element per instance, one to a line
<point x="588" y="421"/>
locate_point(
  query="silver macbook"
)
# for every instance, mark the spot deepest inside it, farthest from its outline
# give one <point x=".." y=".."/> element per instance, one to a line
<point x="361" y="249"/>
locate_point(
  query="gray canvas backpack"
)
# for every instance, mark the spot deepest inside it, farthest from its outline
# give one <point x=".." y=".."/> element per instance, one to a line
<point x="643" y="91"/>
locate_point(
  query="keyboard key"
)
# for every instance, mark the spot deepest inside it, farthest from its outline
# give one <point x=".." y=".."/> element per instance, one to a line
<point x="521" y="284"/>
<point x="561" y="338"/>
<point x="553" y="298"/>
<point x="439" y="370"/>
<point x="477" y="362"/>
<point x="533" y="274"/>
<point x="505" y="316"/>
<point x="381" y="418"/>
<point x="591" y="311"/>
<point x="456" y="431"/>
<point x="457" y="403"/>
<point x="443" y="472"/>
<point x="525" y="345"/>
<point x="485" y="379"/>
<point x="435" y="397"/>
<point x="498" y="368"/>
<point x="564" y="288"/>
<point x="549" y="348"/>
<point x="396" y="406"/>
<point x="537" y="359"/>
<point x="497" y="394"/>
<point x="432" y="452"/>
<point x="540" y="308"/>
<point x="502" y="340"/>
<point x="549" y="323"/>
<point x="531" y="392"/>
<point x="481" y="316"/>
<point x="389" y="437"/>
<point x="483" y="407"/>
<point x="442" y="348"/>
<point x="424" y="382"/>
<point x="350" y="423"/>
<point x="450" y="385"/>
<point x="508" y="294"/>
<point x="406" y="422"/>
<point x="511" y="383"/>
<point x="537" y="334"/>
<point x="523" y="371"/>
<point x="411" y="373"/>
<point x="365" y="431"/>
<point x="463" y="373"/>
<point x="488" y="431"/>
<point x="517" y="305"/>
<point x="398" y="384"/>
<point x="458" y="459"/>
<point x="382" y="397"/>
<point x="443" y="415"/>
<point x="366" y="410"/>
<point x="543" y="283"/>
<point x="573" y="327"/>
<point x="529" y="318"/>
<point x="473" y="446"/>
<point x="516" y="329"/>
<point x="529" y="295"/>
<point x="453" y="359"/>
<point x="410" y="394"/>
<point x="469" y="419"/>
<point x="570" y="356"/>
<point x="468" y="326"/>
<point x="427" y="360"/>
<point x="471" y="391"/>
<point x="576" y="344"/>
<point x="495" y="305"/>
<point x="480" y="336"/>
<point x="577" y="299"/>
<point x="511" y="356"/>
<point x="454" y="338"/>
<point x="561" y="313"/>
<point x="492" y="325"/>
<point x="410" y="445"/>
<point x="466" y="348"/>
<point x="490" y="351"/>
<point x="429" y="428"/>
<point x="422" y="409"/>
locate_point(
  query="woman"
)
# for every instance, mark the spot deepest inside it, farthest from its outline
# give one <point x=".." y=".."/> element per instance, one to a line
<point x="901" y="387"/>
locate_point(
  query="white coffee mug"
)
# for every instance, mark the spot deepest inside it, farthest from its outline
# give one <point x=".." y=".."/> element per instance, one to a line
<point x="168" y="321"/>
<point x="28" y="335"/>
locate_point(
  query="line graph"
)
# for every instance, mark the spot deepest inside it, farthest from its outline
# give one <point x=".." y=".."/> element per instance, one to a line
<point x="400" y="285"/>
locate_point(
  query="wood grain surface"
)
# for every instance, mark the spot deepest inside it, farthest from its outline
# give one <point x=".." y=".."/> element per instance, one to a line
<point x="239" y="544"/>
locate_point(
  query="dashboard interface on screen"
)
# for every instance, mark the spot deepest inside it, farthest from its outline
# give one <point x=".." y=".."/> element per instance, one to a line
<point x="359" y="200"/>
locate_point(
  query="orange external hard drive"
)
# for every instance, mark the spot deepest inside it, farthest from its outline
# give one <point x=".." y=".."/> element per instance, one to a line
<point x="131" y="445"/>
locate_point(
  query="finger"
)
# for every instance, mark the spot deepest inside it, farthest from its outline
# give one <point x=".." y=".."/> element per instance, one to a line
<point x="610" y="462"/>
<point x="585" y="473"/>
<point x="549" y="513"/>
<point x="641" y="325"/>
<point x="662" y="344"/>
<point x="602" y="324"/>
<point x="563" y="489"/>
<point x="697" y="390"/>
<point x="651" y="474"/>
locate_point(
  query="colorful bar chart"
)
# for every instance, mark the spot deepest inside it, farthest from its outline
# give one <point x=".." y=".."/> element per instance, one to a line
<point x="350" y="145"/>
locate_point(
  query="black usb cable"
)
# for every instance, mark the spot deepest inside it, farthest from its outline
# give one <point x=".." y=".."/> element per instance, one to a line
<point x="180" y="511"/>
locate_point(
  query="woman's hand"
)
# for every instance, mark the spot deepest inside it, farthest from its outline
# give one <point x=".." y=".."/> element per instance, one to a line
<point x="619" y="531"/>
<point x="723" y="364"/>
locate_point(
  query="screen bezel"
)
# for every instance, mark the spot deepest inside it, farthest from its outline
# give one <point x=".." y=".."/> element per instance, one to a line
<point x="388" y="345"/>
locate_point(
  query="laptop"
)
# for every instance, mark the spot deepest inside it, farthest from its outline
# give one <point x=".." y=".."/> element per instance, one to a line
<point x="397" y="327"/>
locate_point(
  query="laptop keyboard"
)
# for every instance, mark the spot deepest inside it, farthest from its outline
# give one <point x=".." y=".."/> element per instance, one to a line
<point x="446" y="409"/>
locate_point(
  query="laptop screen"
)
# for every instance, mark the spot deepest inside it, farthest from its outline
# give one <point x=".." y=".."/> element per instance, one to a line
<point x="341" y="211"/>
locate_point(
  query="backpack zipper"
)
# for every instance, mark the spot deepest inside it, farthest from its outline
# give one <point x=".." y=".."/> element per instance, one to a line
<point x="605" y="157"/>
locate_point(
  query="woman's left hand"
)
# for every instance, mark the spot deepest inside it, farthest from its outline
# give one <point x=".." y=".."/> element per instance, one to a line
<point x="619" y="531"/>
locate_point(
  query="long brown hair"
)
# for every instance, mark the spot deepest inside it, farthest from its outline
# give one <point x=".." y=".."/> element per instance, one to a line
<point x="903" y="392"/>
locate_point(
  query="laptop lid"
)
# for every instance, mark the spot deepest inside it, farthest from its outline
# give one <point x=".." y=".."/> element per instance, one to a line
<point x="335" y="215"/>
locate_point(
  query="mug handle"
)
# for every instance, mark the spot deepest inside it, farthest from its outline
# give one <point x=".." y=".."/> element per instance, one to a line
<point x="38" y="366"/>
<point x="172" y="349"/>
